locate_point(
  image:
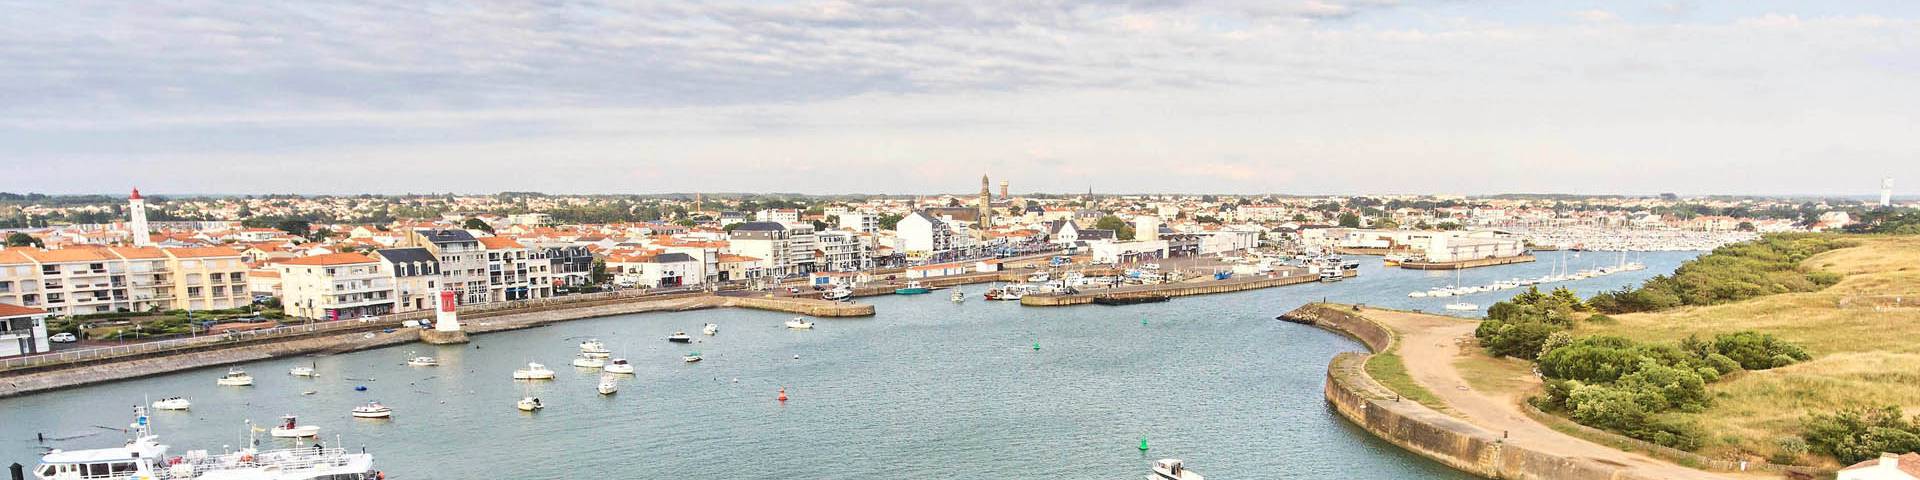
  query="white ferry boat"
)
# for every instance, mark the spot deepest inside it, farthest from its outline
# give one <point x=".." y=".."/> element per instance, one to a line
<point x="145" y="457"/>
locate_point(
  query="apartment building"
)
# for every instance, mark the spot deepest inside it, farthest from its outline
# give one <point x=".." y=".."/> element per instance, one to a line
<point x="463" y="262"/>
<point x="844" y="251"/>
<point x="859" y="222"/>
<point x="570" y="266"/>
<point x="23" y="330"/>
<point x="416" y="276"/>
<point x="90" y="280"/>
<point x="515" y="272"/>
<point x="787" y="249"/>
<point x="921" y="235"/>
<point x="780" y="215"/>
<point x="335" y="286"/>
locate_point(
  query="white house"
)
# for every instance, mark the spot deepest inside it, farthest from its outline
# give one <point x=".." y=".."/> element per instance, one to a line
<point x="1887" y="467"/>
<point x="921" y="234"/>
<point x="936" y="270"/>
<point x="23" y="330"/>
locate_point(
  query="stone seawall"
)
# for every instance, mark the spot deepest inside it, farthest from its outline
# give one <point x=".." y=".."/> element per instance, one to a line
<point x="1421" y="430"/>
<point x="1465" y="264"/>
<point x="803" y="306"/>
<point x="1168" y="289"/>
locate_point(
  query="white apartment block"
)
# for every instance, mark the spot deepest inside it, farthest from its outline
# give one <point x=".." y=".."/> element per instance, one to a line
<point x="844" y="251"/>
<point x="463" y="262"/>
<point x="91" y="280"/>
<point x="335" y="286"/>
<point x="859" y="222"/>
<point x="516" y="272"/>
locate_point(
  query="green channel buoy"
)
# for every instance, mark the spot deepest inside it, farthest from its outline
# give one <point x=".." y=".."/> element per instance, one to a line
<point x="1036" y="346"/>
<point x="1143" y="444"/>
<point x="1143" y="321"/>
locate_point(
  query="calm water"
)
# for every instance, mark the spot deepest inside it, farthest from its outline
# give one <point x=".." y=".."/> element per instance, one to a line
<point x="926" y="389"/>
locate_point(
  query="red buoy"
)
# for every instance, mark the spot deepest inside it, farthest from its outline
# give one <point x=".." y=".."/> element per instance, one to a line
<point x="783" y="394"/>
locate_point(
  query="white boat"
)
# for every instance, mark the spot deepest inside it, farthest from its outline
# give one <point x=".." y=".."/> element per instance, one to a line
<point x="534" y="371"/>
<point x="710" y="329"/>
<point x="143" y="456"/>
<point x="235" y="378"/>
<point x="680" y="337"/>
<point x="589" y="362"/>
<point x="290" y="427"/>
<point x="798" y="323"/>
<point x="1041" y="277"/>
<point x="1172" y="469"/>
<point x="608" y="385"/>
<point x="1417" y="294"/>
<point x="958" y="296"/>
<point x="528" y="404"/>
<point x="838" y="293"/>
<point x="303" y="371"/>
<point x="619" y="365"/>
<point x="372" y="410"/>
<point x="173" y="403"/>
<point x="691" y="357"/>
<point x="1462" y="306"/>
<point x="421" y="360"/>
<point x="593" y="348"/>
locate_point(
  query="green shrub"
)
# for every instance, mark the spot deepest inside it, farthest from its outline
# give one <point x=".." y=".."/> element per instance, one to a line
<point x="1856" y="434"/>
<point x="1521" y="339"/>
<point x="1722" y="363"/>
<point x="1730" y="273"/>
<point x="1758" y="351"/>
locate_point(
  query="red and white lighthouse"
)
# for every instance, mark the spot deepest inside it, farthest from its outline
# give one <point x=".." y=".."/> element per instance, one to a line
<point x="446" y="319"/>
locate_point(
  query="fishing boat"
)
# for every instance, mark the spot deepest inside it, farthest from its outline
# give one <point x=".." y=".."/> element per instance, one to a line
<point x="680" y="337"/>
<point x="691" y="357"/>
<point x="172" y="403"/>
<point x="619" y="365"/>
<point x="304" y="371"/>
<point x="710" y="329"/>
<point x="798" y="323"/>
<point x="586" y="361"/>
<point x="912" y="288"/>
<point x="372" y="410"/>
<point x="958" y="296"/>
<point x="607" y="385"/>
<point x="993" y="294"/>
<point x="143" y="456"/>
<point x="1172" y="469"/>
<point x="1462" y="306"/>
<point x="290" y="427"/>
<point x="534" y="371"/>
<point x="593" y="348"/>
<point x="235" y="378"/>
<point x="528" y="404"/>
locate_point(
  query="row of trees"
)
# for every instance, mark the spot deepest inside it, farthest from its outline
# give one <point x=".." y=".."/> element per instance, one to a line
<point x="1731" y="273"/>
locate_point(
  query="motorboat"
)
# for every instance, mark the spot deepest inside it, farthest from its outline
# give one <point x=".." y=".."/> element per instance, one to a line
<point x="534" y="371"/>
<point x="593" y="348"/>
<point x="912" y="288"/>
<point x="303" y="371"/>
<point x="837" y="293"/>
<point x="235" y="378"/>
<point x="680" y="337"/>
<point x="710" y="329"/>
<point x="1041" y="277"/>
<point x="608" y="385"/>
<point x="421" y="360"/>
<point x="143" y="456"/>
<point x="958" y="296"/>
<point x="528" y="404"/>
<point x="798" y="323"/>
<point x="618" y="365"/>
<point x="691" y="357"/>
<point x="290" y="427"/>
<point x="1417" y="294"/>
<point x="172" y="403"/>
<point x="372" y="410"/>
<point x="586" y="361"/>
<point x="1172" y="469"/>
<point x="1462" y="306"/>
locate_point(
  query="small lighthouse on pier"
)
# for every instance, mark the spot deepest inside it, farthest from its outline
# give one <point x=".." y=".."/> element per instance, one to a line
<point x="137" y="220"/>
<point x="446" y="322"/>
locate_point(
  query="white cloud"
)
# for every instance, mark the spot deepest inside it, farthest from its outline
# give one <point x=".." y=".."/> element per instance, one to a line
<point x="1595" y="15"/>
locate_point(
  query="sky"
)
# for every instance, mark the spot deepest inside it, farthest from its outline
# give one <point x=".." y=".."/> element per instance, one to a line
<point x="1142" y="96"/>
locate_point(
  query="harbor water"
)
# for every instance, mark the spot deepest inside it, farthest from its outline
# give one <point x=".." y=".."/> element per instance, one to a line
<point x="925" y="389"/>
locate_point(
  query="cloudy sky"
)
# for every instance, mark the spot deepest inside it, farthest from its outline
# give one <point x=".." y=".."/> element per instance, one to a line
<point x="1289" y="96"/>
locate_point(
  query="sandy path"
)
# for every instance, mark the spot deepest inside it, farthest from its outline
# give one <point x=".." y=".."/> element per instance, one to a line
<point x="1429" y="348"/>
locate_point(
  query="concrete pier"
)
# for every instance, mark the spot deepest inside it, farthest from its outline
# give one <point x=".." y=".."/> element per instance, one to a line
<point x="1465" y="264"/>
<point x="1182" y="289"/>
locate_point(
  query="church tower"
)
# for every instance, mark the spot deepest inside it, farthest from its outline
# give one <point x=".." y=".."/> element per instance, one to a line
<point x="137" y="207"/>
<point x="986" y="203"/>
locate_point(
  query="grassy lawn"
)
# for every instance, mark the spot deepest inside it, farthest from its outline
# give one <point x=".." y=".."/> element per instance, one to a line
<point x="1862" y="355"/>
<point x="1388" y="369"/>
<point x="1498" y="376"/>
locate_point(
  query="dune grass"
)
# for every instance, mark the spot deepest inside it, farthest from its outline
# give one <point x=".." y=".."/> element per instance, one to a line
<point x="1862" y="355"/>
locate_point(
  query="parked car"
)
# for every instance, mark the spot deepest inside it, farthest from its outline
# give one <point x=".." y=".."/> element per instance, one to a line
<point x="364" y="318"/>
<point x="64" y="337"/>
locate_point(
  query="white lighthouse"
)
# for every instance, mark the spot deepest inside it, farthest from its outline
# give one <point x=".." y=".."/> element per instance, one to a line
<point x="1886" y="192"/>
<point x="137" y="209"/>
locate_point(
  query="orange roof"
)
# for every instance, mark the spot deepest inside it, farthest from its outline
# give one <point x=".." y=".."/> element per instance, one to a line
<point x="500" y="242"/>
<point x="331" y="259"/>
<point x="131" y="253"/>
<point x="263" y="273"/>
<point x="77" y="254"/>
<point x="202" y="252"/>
<point x="12" y="256"/>
<point x="10" y="310"/>
<point x="728" y="258"/>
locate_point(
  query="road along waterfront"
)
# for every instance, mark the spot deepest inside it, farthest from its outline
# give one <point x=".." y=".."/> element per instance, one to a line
<point x="926" y="388"/>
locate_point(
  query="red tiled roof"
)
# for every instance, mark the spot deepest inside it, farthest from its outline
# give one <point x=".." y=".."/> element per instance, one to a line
<point x="331" y="259"/>
<point x="11" y="310"/>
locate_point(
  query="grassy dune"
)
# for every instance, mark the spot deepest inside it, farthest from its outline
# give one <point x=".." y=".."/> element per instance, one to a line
<point x="1862" y="355"/>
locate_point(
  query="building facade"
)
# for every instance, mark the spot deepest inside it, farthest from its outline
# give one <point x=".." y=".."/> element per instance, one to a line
<point x="463" y="262"/>
<point x="335" y="286"/>
<point x="23" y="330"/>
<point x="416" y="277"/>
